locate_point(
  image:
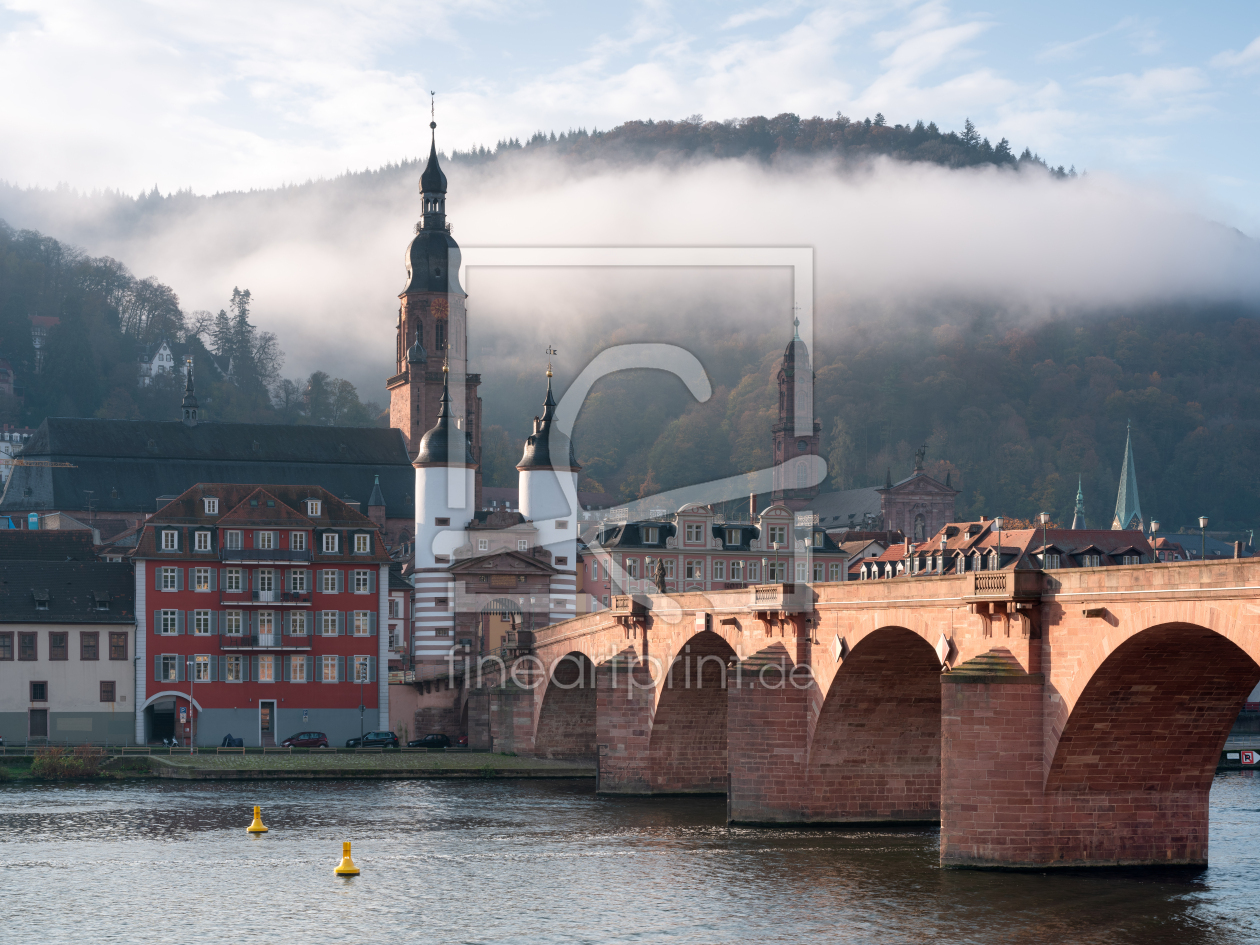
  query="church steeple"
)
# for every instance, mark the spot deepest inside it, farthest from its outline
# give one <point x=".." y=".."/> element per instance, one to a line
<point x="189" y="403"/>
<point x="433" y="187"/>
<point x="1078" y="517"/>
<point x="796" y="400"/>
<point x="1128" y="509"/>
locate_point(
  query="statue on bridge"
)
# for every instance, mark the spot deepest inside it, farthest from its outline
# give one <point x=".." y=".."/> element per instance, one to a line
<point x="658" y="576"/>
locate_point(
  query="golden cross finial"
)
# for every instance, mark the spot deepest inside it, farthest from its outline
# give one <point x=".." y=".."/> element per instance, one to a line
<point x="551" y="352"/>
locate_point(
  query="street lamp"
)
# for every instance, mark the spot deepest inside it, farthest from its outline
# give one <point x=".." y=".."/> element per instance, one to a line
<point x="1044" y="517"/>
<point x="1154" y="530"/>
<point x="765" y="575"/>
<point x="998" y="522"/>
<point x="1203" y="536"/>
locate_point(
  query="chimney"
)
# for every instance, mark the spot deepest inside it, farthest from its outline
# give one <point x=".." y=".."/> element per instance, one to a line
<point x="907" y="547"/>
<point x="1238" y="549"/>
<point x="752" y="507"/>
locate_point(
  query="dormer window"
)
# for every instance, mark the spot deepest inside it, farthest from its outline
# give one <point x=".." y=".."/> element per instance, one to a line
<point x="732" y="536"/>
<point x="170" y="540"/>
<point x="362" y="544"/>
<point x="202" y="540"/>
<point x="211" y="505"/>
<point x="42" y="598"/>
<point x="778" y="533"/>
<point x="818" y="539"/>
<point x="313" y="507"/>
<point x="651" y="536"/>
<point x="330" y="543"/>
<point x="694" y="532"/>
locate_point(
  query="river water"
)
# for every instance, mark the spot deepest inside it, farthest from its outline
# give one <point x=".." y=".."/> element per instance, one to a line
<point x="544" y="862"/>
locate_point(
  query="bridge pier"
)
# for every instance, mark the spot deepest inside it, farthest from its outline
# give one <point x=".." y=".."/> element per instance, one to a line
<point x="768" y="712"/>
<point x="625" y="705"/>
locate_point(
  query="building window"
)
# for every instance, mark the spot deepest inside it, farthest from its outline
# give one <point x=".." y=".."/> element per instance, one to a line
<point x="297" y="541"/>
<point x="297" y="669"/>
<point x="39" y="691"/>
<point x="833" y="572"/>
<point x="1131" y="559"/>
<point x="201" y="579"/>
<point x="732" y="536"/>
<point x="328" y="623"/>
<point x="211" y="506"/>
<point x="201" y="541"/>
<point x="362" y="623"/>
<point x="59" y="646"/>
<point x="819" y="570"/>
<point x="118" y="646"/>
<point x="328" y="583"/>
<point x="266" y="669"/>
<point x="362" y="582"/>
<point x="362" y="544"/>
<point x="297" y="623"/>
<point x="329" y="673"/>
<point x="201" y="668"/>
<point x="232" y="580"/>
<point x="442" y="632"/>
<point x="753" y="571"/>
<point x="719" y="570"/>
<point x="562" y="561"/>
<point x="169" y="667"/>
<point x="266" y="622"/>
<point x="395" y="607"/>
<point x="651" y="535"/>
<point x="232" y="669"/>
<point x="201" y="622"/>
<point x="330" y="543"/>
<point x="107" y="691"/>
<point x="298" y="581"/>
<point x="232" y="623"/>
<point x="170" y="579"/>
<point x="483" y="544"/>
<point x="170" y="541"/>
<point x="361" y="669"/>
<point x="778" y="535"/>
<point x="27" y="646"/>
<point x="1091" y="561"/>
<point x="522" y="545"/>
<point x="170" y="623"/>
<point x="313" y="507"/>
<point x="89" y="645"/>
<point x="737" y="571"/>
<point x="632" y="568"/>
<point x="802" y="571"/>
<point x="562" y="524"/>
<point x="1049" y="561"/>
<point x="818" y="539"/>
<point x="265" y="541"/>
<point x="694" y="570"/>
<point x="232" y="540"/>
<point x="266" y="580"/>
<point x="694" y="532"/>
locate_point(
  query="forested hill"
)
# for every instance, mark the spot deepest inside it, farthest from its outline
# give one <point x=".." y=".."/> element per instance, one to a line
<point x="103" y="318"/>
<point x="768" y="138"/>
<point x="1014" y="411"/>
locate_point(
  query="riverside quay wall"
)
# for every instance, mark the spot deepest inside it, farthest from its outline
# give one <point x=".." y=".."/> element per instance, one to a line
<point x="1043" y="718"/>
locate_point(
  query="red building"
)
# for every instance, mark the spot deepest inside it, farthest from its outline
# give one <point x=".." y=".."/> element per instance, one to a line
<point x="261" y="612"/>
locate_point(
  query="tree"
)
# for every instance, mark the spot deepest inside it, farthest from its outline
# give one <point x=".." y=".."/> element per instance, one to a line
<point x="970" y="137"/>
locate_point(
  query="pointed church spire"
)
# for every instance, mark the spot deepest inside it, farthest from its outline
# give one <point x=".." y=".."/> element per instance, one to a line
<point x="433" y="184"/>
<point x="189" y="403"/>
<point x="1128" y="509"/>
<point x="1078" y="517"/>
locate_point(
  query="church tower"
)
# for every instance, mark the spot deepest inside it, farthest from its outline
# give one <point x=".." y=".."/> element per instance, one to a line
<point x="1128" y="509"/>
<point x="432" y="328"/>
<point x="790" y="477"/>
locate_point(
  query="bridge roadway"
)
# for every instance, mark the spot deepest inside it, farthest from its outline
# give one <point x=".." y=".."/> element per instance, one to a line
<point x="1057" y="718"/>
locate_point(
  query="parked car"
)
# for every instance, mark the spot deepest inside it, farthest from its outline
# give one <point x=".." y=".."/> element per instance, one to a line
<point x="462" y="741"/>
<point x="373" y="740"/>
<point x="306" y="740"/>
<point x="434" y="740"/>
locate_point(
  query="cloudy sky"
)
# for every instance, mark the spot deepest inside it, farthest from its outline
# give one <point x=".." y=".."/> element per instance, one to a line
<point x="227" y="95"/>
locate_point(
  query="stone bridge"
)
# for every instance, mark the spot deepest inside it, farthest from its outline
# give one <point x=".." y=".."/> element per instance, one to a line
<point x="1056" y="718"/>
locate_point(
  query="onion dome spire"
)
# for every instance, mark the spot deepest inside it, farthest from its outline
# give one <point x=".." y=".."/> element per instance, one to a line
<point x="548" y="448"/>
<point x="435" y="444"/>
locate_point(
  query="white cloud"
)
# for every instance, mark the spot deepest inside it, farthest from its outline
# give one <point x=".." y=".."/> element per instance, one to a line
<point x="1246" y="61"/>
<point x="1168" y="92"/>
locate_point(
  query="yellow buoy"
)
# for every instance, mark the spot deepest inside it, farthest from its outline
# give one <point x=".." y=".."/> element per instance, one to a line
<point x="257" y="825"/>
<point x="346" y="867"/>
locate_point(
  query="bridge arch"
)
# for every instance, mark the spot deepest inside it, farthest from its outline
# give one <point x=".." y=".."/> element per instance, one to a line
<point x="687" y="747"/>
<point x="1138" y="751"/>
<point x="876" y="749"/>
<point x="566" y="717"/>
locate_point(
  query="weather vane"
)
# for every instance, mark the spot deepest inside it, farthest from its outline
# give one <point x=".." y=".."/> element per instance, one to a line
<point x="551" y="352"/>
